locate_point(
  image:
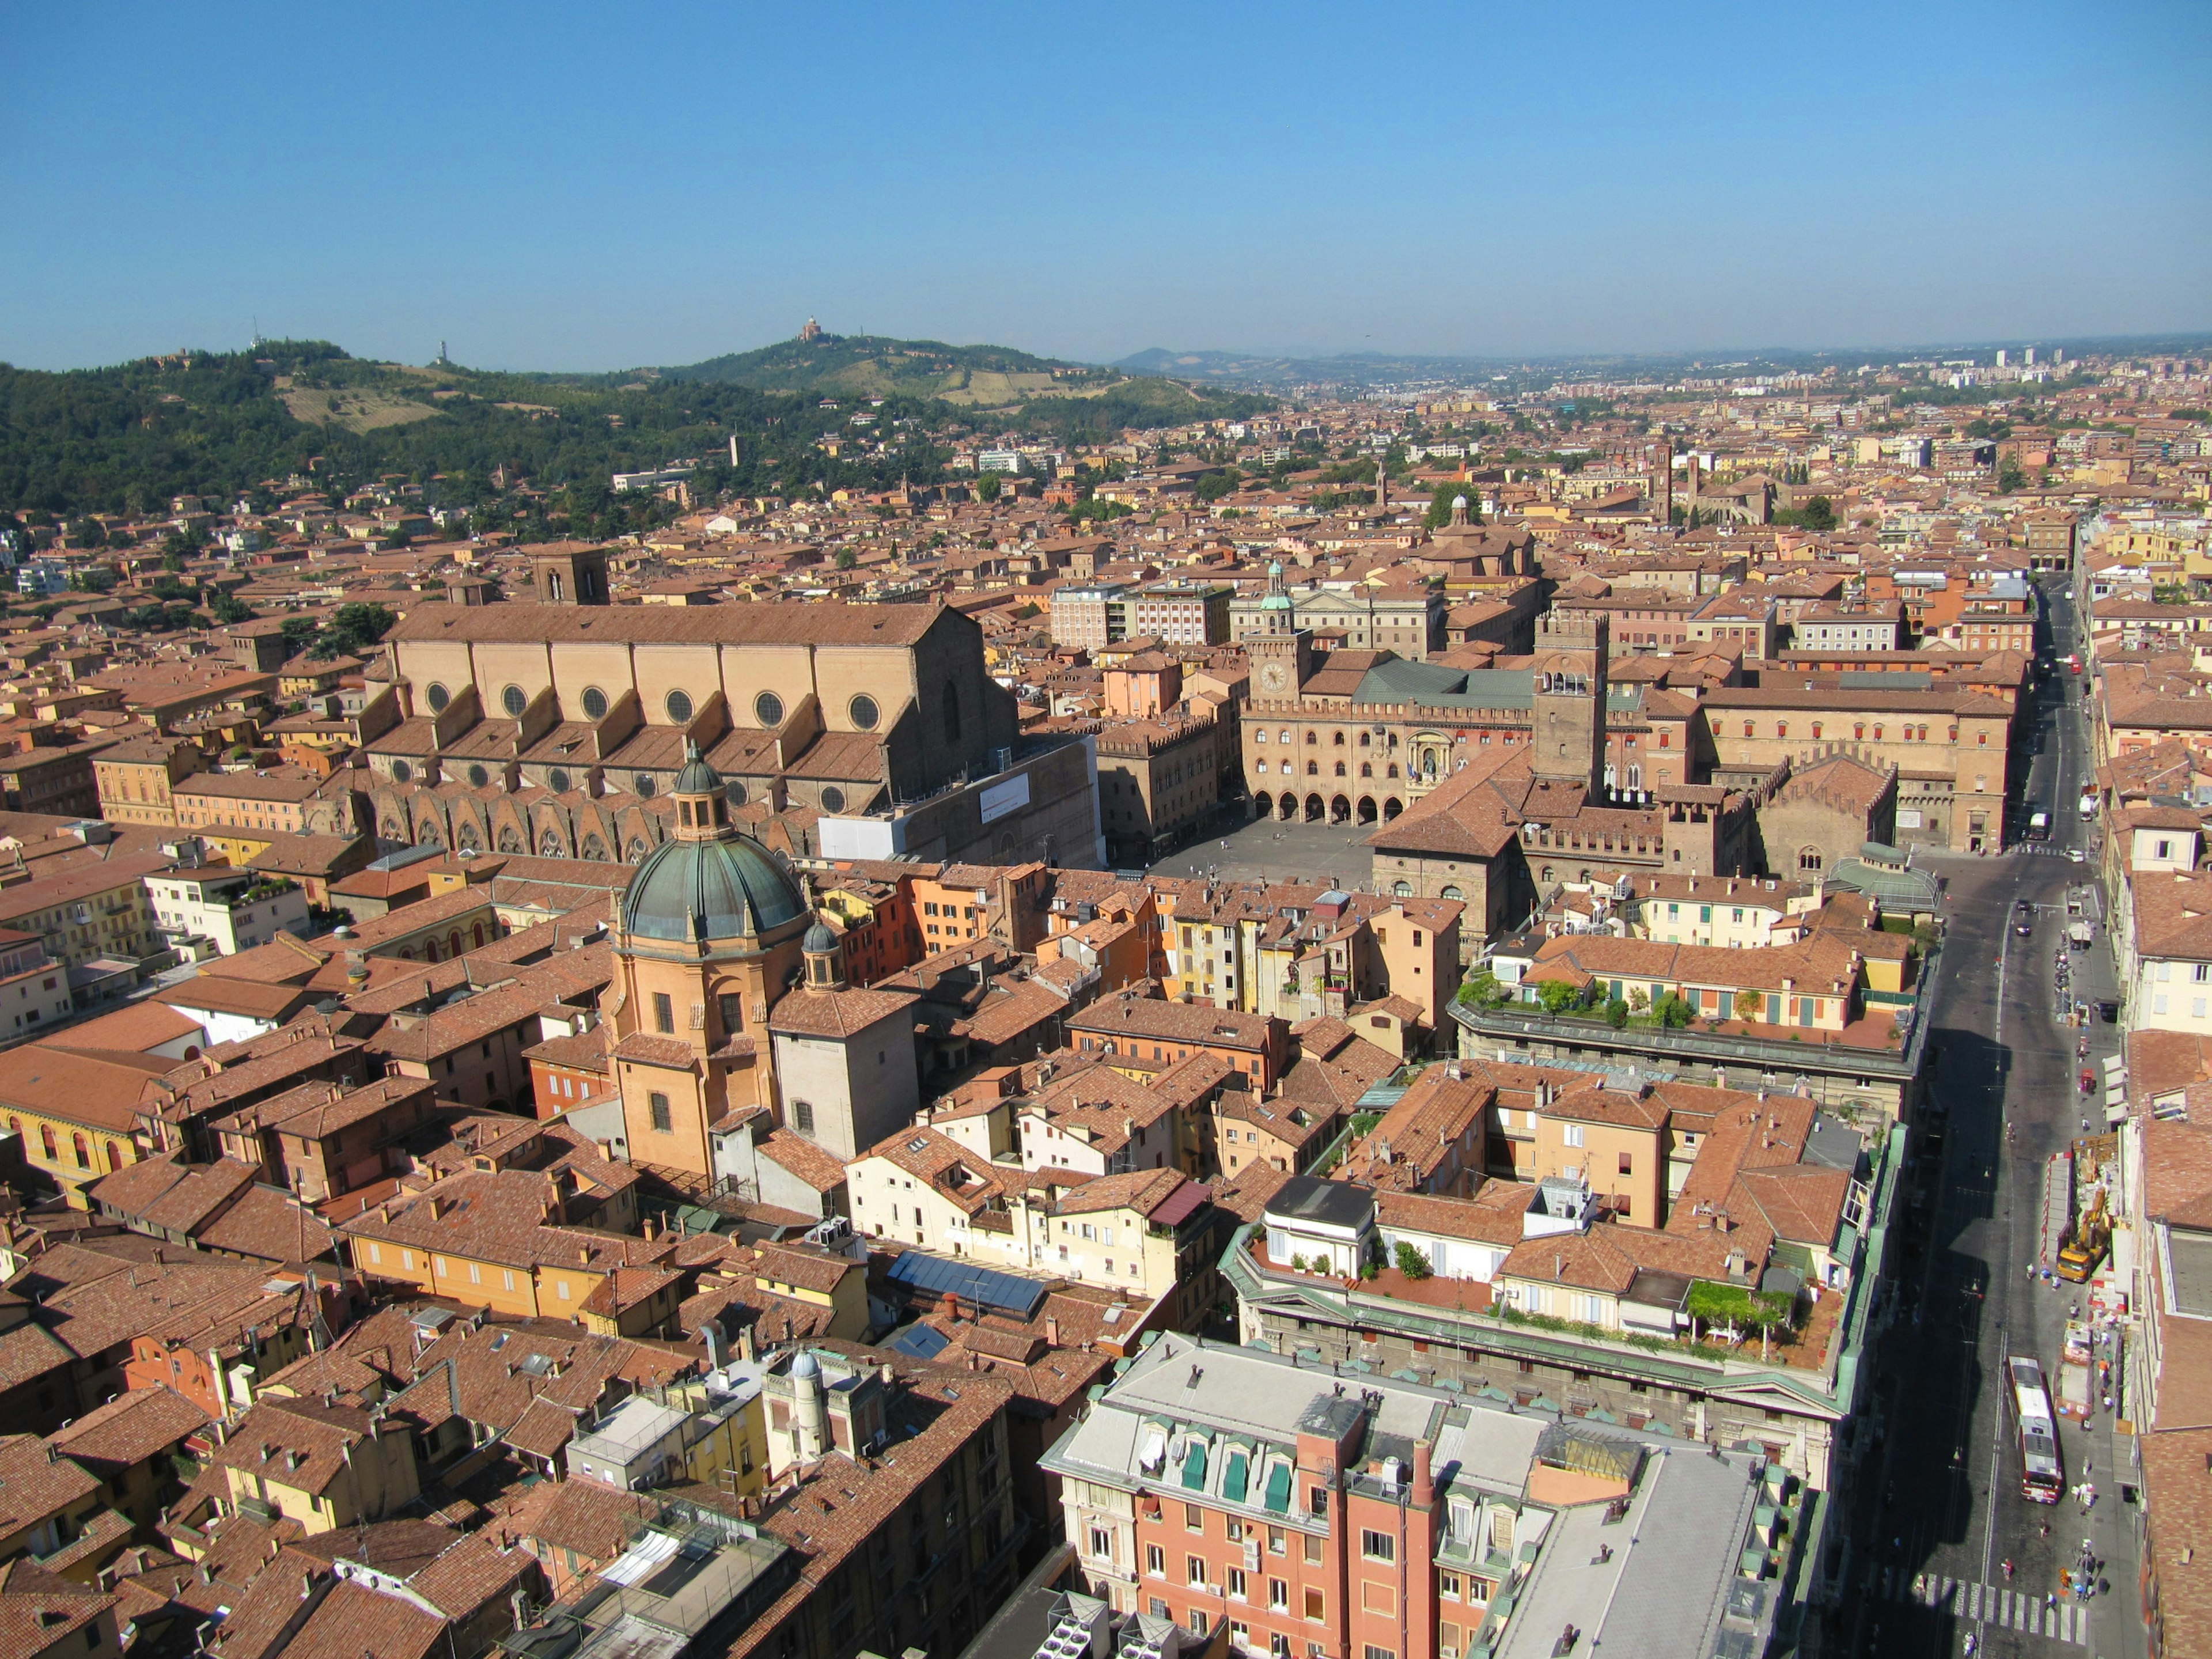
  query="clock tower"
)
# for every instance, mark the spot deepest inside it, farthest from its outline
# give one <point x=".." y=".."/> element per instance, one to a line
<point x="1280" y="652"/>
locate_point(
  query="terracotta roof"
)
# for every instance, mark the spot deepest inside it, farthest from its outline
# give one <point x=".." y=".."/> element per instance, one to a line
<point x="39" y="1611"/>
<point x="1125" y="1014"/>
<point x="1493" y="1216"/>
<point x="34" y="1485"/>
<point x="100" y="1092"/>
<point x="1144" y="1191"/>
<point x="802" y="1158"/>
<point x="129" y="1429"/>
<point x="594" y="1521"/>
<point x="2177" y="1499"/>
<point x="837" y="1013"/>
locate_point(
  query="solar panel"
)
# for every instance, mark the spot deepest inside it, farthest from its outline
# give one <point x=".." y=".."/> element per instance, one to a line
<point x="922" y="1341"/>
<point x="1021" y="1297"/>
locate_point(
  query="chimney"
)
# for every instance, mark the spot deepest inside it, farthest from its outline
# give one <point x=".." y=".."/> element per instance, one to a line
<point x="1052" y="1330"/>
<point x="747" y="1351"/>
<point x="1425" y="1485"/>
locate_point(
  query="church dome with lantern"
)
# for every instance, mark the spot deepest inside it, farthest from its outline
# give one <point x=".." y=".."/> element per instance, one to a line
<point x="708" y="881"/>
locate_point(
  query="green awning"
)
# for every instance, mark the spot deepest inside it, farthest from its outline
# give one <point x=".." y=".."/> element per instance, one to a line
<point x="1194" y="1467"/>
<point x="1233" y="1481"/>
<point x="1278" y="1489"/>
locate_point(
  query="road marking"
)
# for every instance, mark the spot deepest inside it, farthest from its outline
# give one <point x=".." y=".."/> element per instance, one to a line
<point x="2069" y="1621"/>
<point x="2005" y="955"/>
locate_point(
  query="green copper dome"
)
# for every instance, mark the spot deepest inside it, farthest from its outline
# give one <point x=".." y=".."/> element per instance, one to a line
<point x="730" y="888"/>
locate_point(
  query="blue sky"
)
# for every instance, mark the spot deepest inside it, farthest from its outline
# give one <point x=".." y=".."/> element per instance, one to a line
<point x="586" y="187"/>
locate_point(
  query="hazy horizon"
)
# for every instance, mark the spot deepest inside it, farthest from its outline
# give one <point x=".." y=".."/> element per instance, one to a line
<point x="544" y="188"/>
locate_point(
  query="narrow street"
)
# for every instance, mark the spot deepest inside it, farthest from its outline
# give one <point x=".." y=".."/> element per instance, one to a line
<point x="1943" y="1511"/>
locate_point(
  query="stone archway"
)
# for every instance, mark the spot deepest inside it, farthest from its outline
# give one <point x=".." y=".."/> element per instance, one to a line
<point x="1263" y="806"/>
<point x="1391" y="808"/>
<point x="1340" y="811"/>
<point x="1315" y="810"/>
<point x="1287" y="809"/>
<point x="1365" y="811"/>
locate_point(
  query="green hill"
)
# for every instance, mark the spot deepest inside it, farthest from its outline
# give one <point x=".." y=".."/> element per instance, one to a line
<point x="128" y="437"/>
<point x="1077" y="401"/>
<point x="866" y="365"/>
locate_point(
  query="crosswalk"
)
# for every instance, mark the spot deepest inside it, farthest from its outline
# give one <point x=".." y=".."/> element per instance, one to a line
<point x="1994" y="1604"/>
<point x="2041" y="849"/>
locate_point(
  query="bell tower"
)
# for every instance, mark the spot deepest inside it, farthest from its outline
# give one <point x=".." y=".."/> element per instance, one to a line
<point x="1567" y="732"/>
<point x="568" y="572"/>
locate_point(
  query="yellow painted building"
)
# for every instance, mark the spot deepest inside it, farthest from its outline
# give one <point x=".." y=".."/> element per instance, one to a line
<point x="325" y="1474"/>
<point x="490" y="1239"/>
<point x="76" y="1112"/>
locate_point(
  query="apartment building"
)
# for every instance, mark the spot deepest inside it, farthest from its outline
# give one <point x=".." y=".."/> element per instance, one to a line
<point x="221" y="911"/>
<point x="1733" y="913"/>
<point x="1144" y="1232"/>
<point x="1867" y="627"/>
<point x="54" y="778"/>
<point x="935" y="1432"/>
<point x="1306" y="1514"/>
<point x="323" y="1467"/>
<point x="497" y="1239"/>
<point x="137" y="778"/>
<point x="1131" y="1030"/>
<point x="89" y="910"/>
<point x="33" y="989"/>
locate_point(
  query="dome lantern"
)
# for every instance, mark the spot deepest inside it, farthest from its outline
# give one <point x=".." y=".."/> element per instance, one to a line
<point x="702" y="811"/>
<point x="825" y="958"/>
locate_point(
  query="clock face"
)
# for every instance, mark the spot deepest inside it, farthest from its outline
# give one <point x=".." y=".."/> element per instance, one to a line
<point x="1272" y="677"/>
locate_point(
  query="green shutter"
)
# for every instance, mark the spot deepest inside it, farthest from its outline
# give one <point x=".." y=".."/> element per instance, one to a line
<point x="1235" y="1481"/>
<point x="1194" y="1467"/>
<point x="1278" y="1489"/>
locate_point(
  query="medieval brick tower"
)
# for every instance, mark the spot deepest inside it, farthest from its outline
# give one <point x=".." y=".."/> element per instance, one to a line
<point x="1567" y="734"/>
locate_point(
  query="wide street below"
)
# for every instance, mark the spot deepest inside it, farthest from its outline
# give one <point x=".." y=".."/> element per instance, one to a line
<point x="1940" y="1509"/>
